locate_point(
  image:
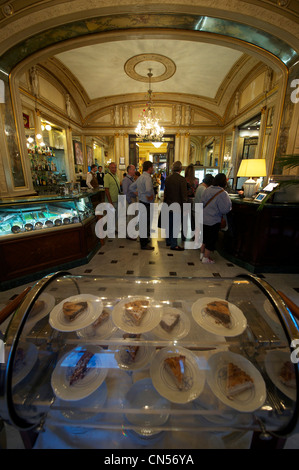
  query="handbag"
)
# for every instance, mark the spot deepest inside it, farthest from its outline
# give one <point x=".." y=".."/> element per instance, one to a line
<point x="223" y="223"/>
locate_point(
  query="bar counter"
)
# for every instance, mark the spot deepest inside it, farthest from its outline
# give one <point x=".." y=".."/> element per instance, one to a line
<point x="265" y="240"/>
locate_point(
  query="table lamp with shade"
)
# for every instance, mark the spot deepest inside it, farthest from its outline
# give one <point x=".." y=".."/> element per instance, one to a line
<point x="251" y="168"/>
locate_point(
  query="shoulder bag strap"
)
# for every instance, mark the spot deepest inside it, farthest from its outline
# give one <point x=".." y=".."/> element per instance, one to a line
<point x="118" y="187"/>
<point x="221" y="190"/>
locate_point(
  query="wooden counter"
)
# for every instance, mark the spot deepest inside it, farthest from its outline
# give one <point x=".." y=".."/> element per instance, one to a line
<point x="264" y="240"/>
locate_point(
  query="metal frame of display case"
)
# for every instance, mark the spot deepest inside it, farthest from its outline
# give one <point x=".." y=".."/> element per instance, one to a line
<point x="19" y="319"/>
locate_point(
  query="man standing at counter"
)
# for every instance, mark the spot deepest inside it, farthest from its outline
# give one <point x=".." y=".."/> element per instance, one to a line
<point x="146" y="196"/>
<point x="130" y="196"/>
<point x="91" y="178"/>
<point x="112" y="188"/>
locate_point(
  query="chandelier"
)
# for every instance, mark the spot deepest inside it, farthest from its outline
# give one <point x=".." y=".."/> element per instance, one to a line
<point x="148" y="126"/>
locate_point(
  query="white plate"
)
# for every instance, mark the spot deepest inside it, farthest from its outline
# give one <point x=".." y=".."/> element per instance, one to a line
<point x="180" y="330"/>
<point x="274" y="361"/>
<point x="249" y="400"/>
<point x="22" y="368"/>
<point x="103" y="331"/>
<point x="206" y="321"/>
<point x="49" y="301"/>
<point x="143" y="356"/>
<point x="86" y="318"/>
<point x="194" y="377"/>
<point x="149" y="322"/>
<point x="82" y="388"/>
<point x="79" y="410"/>
<point x="143" y="396"/>
<point x="213" y="410"/>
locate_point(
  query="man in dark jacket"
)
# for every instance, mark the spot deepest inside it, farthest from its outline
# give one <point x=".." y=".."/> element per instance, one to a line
<point x="175" y="192"/>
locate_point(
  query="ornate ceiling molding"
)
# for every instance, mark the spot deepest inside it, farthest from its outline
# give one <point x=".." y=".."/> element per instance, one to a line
<point x="147" y="61"/>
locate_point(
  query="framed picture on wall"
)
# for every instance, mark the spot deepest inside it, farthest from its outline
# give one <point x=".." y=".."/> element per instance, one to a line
<point x="89" y="151"/>
<point x="78" y="152"/>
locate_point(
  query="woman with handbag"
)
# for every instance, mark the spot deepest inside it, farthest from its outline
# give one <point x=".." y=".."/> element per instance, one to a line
<point x="216" y="203"/>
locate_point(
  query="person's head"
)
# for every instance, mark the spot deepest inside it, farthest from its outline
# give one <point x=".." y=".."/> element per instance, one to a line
<point x="208" y="179"/>
<point x="137" y="174"/>
<point x="112" y="167"/>
<point x="131" y="170"/>
<point x="93" y="168"/>
<point x="190" y="172"/>
<point x="220" y="180"/>
<point x="147" y="166"/>
<point x="100" y="168"/>
<point x="177" y="166"/>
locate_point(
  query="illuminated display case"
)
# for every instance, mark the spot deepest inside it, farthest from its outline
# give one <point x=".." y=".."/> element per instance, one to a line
<point x="39" y="234"/>
<point x="126" y="396"/>
<point x="41" y="213"/>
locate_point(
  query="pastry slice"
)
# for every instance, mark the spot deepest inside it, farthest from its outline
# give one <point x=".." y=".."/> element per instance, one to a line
<point x="131" y="351"/>
<point x="220" y="312"/>
<point x="81" y="367"/>
<point x="237" y="381"/>
<point x="169" y="321"/>
<point x="175" y="365"/>
<point x="102" y="318"/>
<point x="287" y="375"/>
<point x="136" y="310"/>
<point x="71" y="310"/>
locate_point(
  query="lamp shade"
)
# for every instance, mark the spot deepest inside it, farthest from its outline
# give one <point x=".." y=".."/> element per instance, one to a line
<point x="253" y="167"/>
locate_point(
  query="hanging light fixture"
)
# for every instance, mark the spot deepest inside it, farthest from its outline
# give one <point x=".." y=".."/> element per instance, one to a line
<point x="148" y="126"/>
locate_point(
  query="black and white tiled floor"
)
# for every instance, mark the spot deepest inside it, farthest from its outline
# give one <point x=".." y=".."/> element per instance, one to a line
<point x="122" y="257"/>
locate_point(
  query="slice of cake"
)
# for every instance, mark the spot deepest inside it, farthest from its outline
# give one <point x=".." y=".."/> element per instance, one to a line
<point x="287" y="375"/>
<point x="175" y="365"/>
<point x="102" y="318"/>
<point x="169" y="321"/>
<point x="131" y="350"/>
<point x="136" y="310"/>
<point x="71" y="310"/>
<point x="219" y="310"/>
<point x="237" y="381"/>
<point x="81" y="367"/>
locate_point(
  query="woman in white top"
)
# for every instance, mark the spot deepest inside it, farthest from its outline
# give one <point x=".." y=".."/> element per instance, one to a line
<point x="216" y="203"/>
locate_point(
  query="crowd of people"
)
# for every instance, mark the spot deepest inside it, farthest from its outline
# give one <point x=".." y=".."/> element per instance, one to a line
<point x="145" y="188"/>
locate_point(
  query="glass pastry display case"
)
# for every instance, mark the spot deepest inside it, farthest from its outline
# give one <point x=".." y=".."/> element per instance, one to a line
<point x="134" y="362"/>
<point x="40" y="213"/>
<point x="41" y="234"/>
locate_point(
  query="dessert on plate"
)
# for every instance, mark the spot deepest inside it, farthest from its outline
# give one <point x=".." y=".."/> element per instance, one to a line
<point x="287" y="375"/>
<point x="219" y="310"/>
<point x="81" y="367"/>
<point x="102" y="318"/>
<point x="131" y="350"/>
<point x="169" y="321"/>
<point x="136" y="310"/>
<point x="175" y="365"/>
<point x="72" y="310"/>
<point x="237" y="380"/>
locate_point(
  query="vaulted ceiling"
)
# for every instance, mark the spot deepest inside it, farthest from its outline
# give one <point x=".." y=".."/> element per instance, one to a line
<point x="205" y="70"/>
